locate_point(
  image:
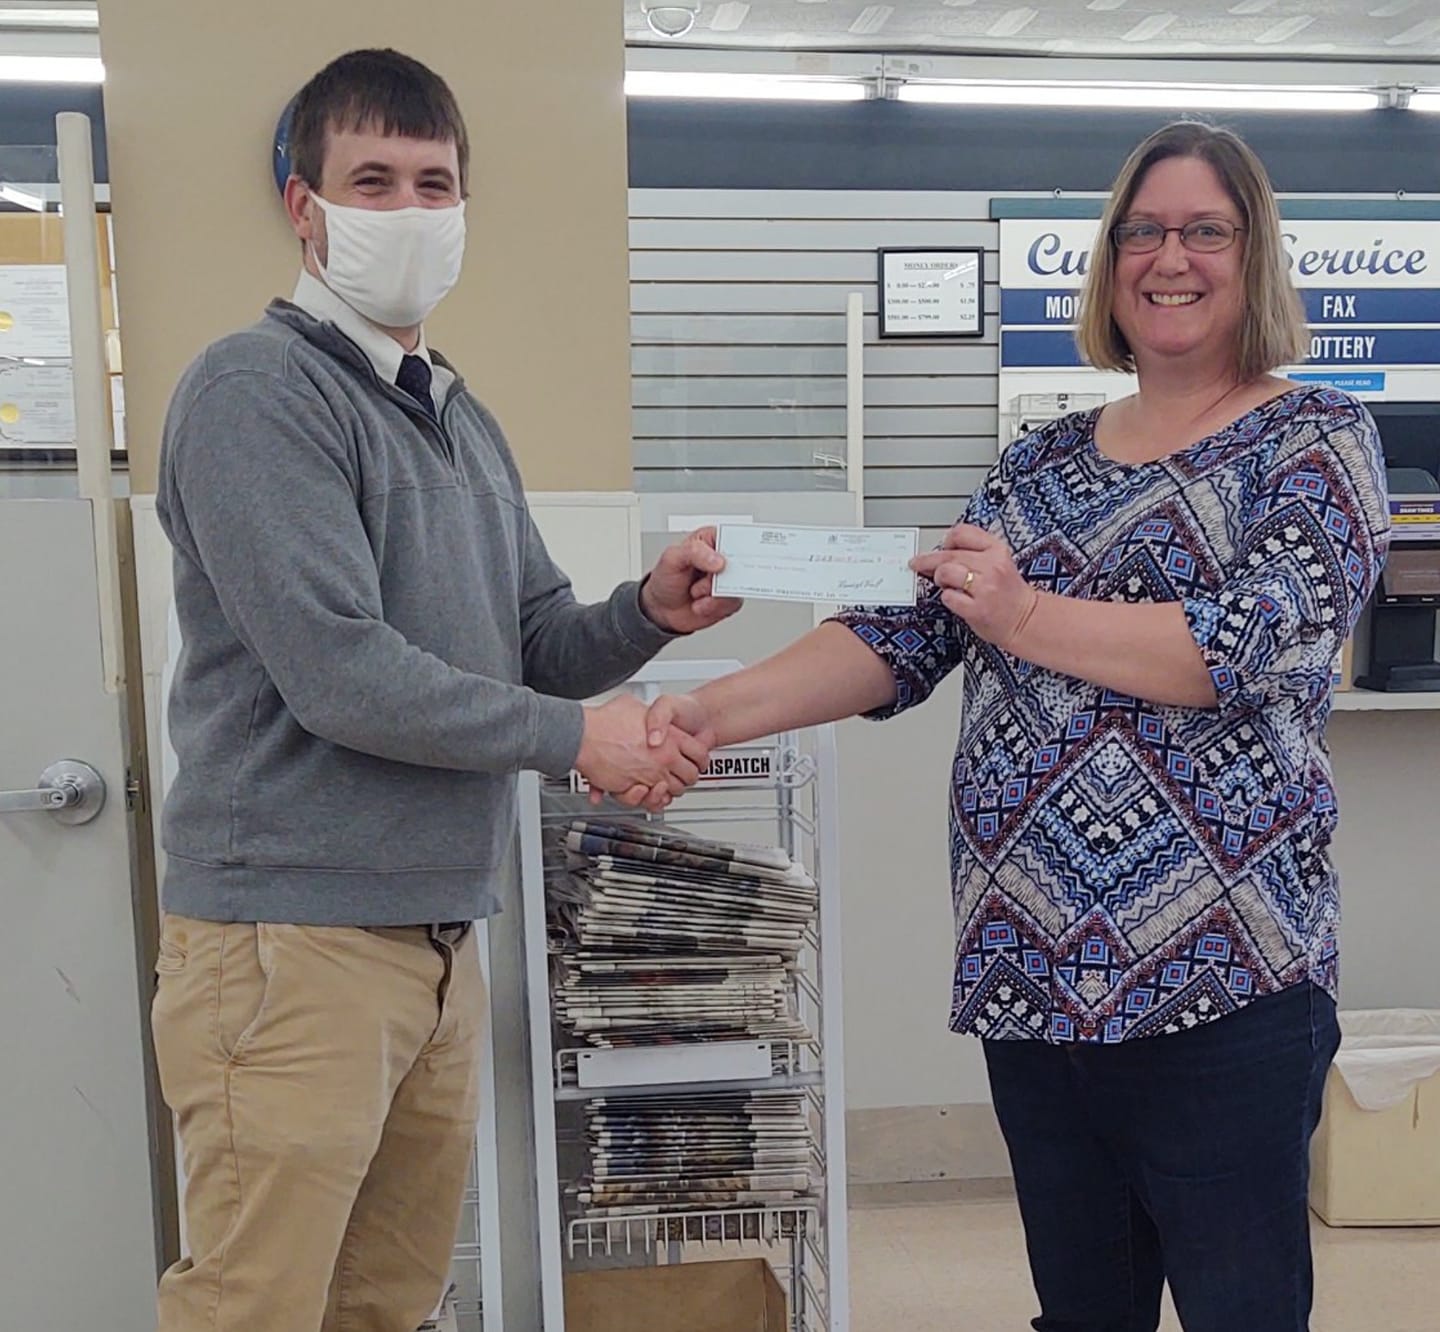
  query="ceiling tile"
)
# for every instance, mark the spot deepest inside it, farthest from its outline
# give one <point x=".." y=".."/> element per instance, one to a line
<point x="1282" y="29"/>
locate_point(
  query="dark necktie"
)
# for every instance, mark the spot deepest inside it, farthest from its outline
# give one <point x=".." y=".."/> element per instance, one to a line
<point x="414" y="378"/>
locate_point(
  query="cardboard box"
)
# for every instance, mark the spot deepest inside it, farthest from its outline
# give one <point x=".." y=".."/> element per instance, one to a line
<point x="738" y="1296"/>
<point x="1377" y="1167"/>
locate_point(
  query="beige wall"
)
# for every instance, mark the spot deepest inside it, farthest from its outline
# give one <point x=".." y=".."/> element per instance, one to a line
<point x="539" y="324"/>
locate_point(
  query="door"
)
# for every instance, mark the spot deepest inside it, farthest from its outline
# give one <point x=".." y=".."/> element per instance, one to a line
<point x="78" y="1232"/>
<point x="76" y="1202"/>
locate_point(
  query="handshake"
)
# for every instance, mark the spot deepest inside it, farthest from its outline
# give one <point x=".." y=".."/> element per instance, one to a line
<point x="645" y="756"/>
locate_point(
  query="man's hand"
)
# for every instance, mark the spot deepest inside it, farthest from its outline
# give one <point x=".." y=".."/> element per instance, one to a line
<point x="979" y="582"/>
<point x="678" y="595"/>
<point x="617" y="757"/>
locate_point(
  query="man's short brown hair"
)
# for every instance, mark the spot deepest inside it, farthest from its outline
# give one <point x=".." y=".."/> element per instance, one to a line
<point x="374" y="90"/>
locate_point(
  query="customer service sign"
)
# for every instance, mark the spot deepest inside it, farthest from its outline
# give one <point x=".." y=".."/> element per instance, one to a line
<point x="1371" y="291"/>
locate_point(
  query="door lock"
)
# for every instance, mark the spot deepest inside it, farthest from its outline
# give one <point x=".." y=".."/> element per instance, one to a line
<point x="69" y="791"/>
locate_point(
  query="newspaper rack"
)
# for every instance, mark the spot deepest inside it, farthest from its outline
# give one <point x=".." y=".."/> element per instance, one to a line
<point x="779" y="792"/>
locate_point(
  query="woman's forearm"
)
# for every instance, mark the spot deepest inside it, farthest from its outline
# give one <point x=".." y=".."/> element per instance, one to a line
<point x="1143" y="650"/>
<point x="825" y="676"/>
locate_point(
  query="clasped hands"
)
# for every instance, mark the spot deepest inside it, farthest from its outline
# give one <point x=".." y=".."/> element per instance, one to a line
<point x="645" y="756"/>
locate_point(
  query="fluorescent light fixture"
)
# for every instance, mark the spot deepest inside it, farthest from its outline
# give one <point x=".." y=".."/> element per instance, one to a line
<point x="1153" y="95"/>
<point x="1425" y="101"/>
<point x="50" y="69"/>
<point x="758" y="87"/>
<point x="22" y="198"/>
<point x="84" y="17"/>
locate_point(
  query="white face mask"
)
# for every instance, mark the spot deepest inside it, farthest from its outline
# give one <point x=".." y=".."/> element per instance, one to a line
<point x="393" y="266"/>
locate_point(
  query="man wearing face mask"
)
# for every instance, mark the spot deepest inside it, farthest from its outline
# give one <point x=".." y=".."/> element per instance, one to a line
<point x="375" y="644"/>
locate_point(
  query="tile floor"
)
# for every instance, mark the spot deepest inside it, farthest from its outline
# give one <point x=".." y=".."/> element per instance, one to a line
<point x="959" y="1266"/>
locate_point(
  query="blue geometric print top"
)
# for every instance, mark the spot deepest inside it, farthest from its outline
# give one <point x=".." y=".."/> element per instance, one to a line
<point x="1124" y="869"/>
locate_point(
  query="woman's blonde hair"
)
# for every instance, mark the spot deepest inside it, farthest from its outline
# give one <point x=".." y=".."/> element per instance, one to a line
<point x="1272" y="326"/>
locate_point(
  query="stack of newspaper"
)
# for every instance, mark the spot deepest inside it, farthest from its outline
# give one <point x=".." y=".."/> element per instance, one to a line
<point x="658" y="937"/>
<point x="707" y="1151"/>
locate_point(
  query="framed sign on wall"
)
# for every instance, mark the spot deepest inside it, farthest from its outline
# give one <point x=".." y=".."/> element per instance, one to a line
<point x="932" y="293"/>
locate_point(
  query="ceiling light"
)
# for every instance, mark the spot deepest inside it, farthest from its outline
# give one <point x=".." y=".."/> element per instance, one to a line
<point x="50" y="69"/>
<point x="85" y="17"/>
<point x="1155" y="95"/>
<point x="22" y="198"/>
<point x="674" y="19"/>
<point x="758" y="87"/>
<point x="1424" y="101"/>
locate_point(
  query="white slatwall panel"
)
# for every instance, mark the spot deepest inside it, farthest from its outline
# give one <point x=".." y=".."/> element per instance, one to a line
<point x="738" y="348"/>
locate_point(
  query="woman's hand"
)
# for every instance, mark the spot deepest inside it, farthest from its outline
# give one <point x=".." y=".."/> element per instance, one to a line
<point x="979" y="582"/>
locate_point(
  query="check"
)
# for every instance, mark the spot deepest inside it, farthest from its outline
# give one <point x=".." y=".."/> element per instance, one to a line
<point x="854" y="566"/>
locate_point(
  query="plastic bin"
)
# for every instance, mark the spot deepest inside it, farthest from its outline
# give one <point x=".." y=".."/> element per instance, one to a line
<point x="1375" y="1159"/>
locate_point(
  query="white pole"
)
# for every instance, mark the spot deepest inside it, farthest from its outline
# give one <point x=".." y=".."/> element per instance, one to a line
<point x="832" y="1033"/>
<point x="550" y="1256"/>
<point x="855" y="402"/>
<point x="487" y="1157"/>
<point x="854" y="421"/>
<point x="94" y="425"/>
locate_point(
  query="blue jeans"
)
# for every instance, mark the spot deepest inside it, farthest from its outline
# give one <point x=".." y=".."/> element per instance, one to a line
<point x="1178" y="1158"/>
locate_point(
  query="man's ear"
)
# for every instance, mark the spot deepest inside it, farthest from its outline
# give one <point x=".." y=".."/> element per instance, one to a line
<point x="300" y="208"/>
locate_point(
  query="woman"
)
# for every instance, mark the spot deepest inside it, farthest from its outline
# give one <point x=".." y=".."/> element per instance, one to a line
<point x="1147" y="600"/>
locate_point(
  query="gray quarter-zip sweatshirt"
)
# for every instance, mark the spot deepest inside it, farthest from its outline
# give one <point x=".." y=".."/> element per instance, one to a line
<point x="375" y="640"/>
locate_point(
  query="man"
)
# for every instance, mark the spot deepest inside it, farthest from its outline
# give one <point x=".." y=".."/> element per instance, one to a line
<point x="375" y="643"/>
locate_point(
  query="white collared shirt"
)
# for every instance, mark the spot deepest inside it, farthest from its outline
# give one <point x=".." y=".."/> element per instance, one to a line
<point x="384" y="353"/>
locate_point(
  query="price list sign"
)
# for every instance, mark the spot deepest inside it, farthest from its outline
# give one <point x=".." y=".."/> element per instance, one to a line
<point x="932" y="293"/>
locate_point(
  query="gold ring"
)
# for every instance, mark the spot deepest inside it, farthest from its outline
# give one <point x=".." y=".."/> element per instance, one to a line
<point x="969" y="578"/>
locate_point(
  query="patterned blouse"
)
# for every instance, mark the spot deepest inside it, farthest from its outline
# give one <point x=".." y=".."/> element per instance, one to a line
<point x="1120" y="868"/>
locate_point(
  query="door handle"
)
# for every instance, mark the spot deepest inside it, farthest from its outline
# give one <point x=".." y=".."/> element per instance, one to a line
<point x="69" y="791"/>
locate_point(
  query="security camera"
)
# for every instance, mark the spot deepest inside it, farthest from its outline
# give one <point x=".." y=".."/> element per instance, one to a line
<point x="670" y="20"/>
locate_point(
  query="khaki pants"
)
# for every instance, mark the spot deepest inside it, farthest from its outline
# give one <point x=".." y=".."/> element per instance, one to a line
<point x="326" y="1086"/>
